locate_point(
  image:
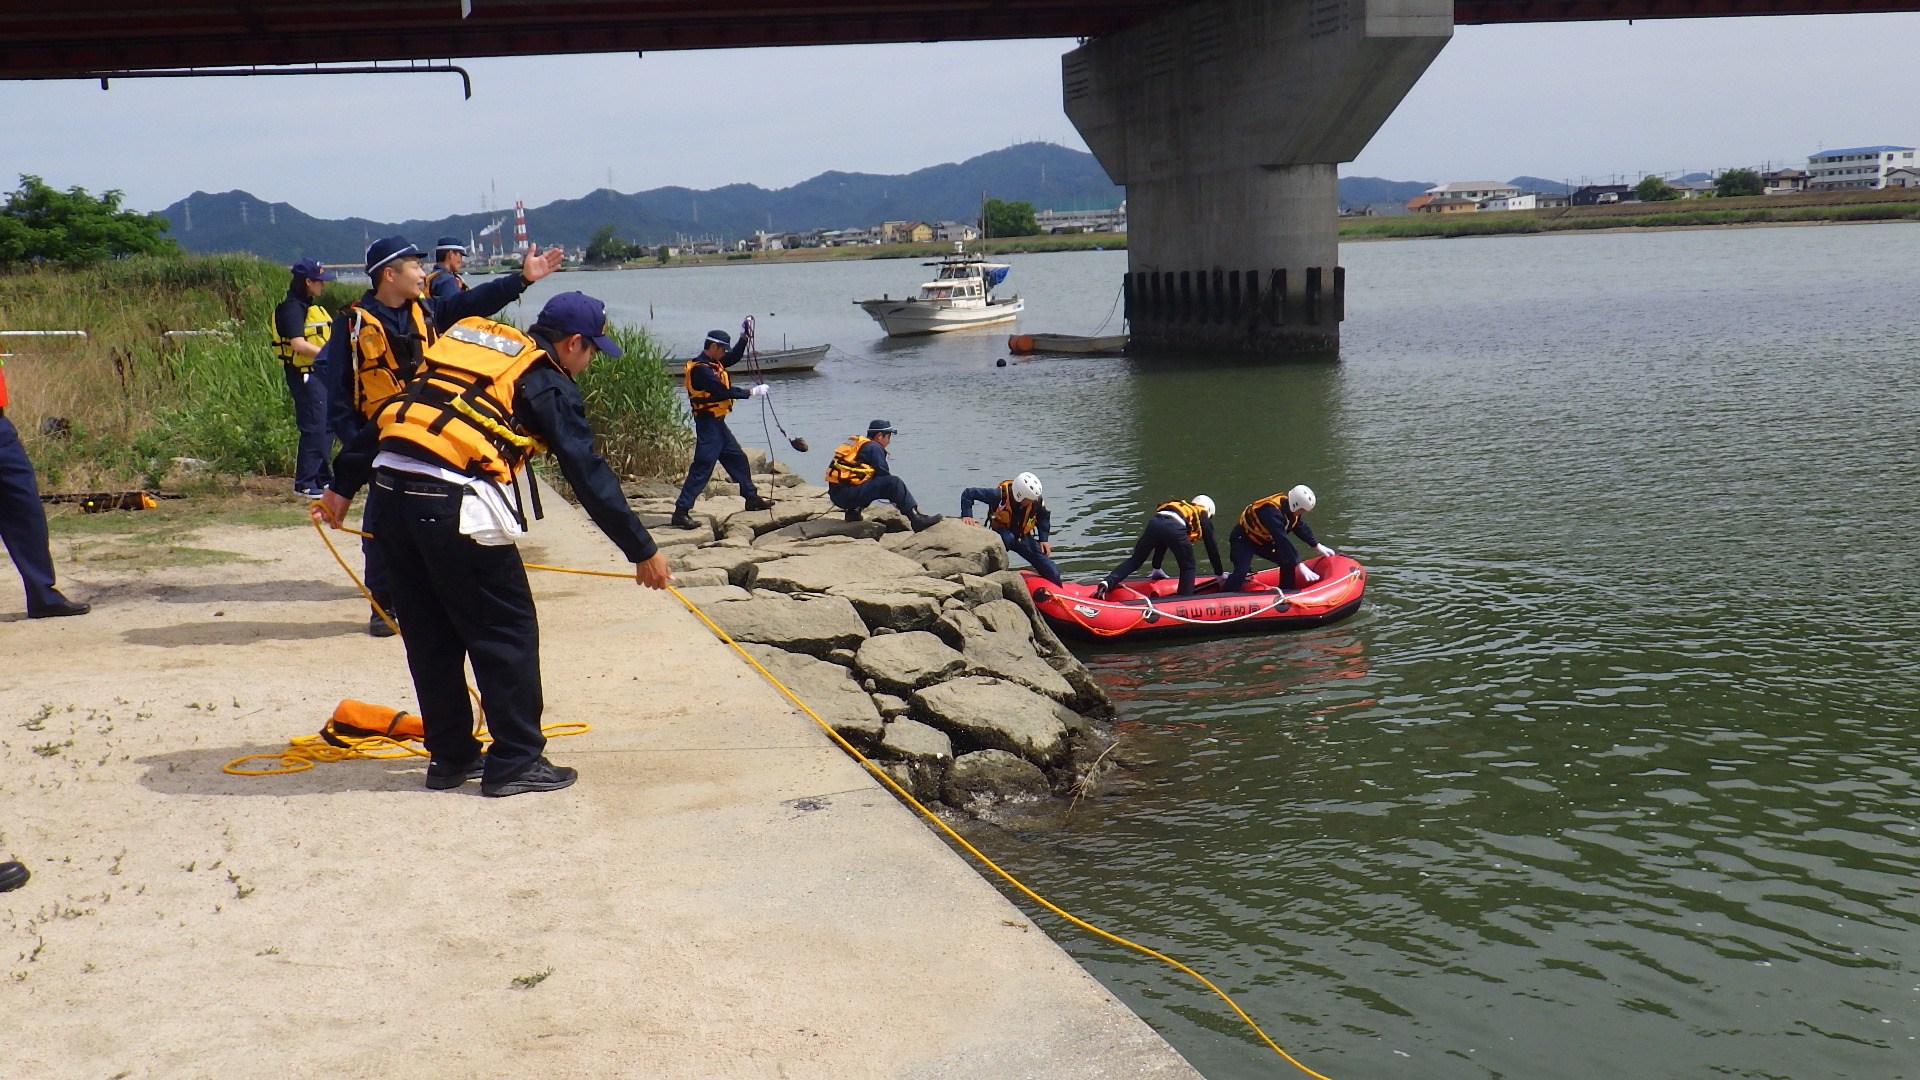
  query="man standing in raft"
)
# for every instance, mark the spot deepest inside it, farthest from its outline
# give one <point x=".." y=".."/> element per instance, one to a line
<point x="858" y="477"/>
<point x="1263" y="529"/>
<point x="1015" y="512"/>
<point x="1173" y="527"/>
<point x="711" y="394"/>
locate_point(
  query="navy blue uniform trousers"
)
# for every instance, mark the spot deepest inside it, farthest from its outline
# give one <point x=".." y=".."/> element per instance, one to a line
<point x="713" y="442"/>
<point x="1242" y="550"/>
<point x="1162" y="534"/>
<point x="1029" y="549"/>
<point x="23" y="521"/>
<point x="888" y="488"/>
<point x="461" y="601"/>
<point x="310" y="471"/>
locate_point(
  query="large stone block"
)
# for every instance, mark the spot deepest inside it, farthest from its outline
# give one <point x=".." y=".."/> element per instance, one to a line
<point x="813" y="626"/>
<point x="952" y="547"/>
<point x="911" y="603"/>
<point x="998" y="714"/>
<point x="980" y="781"/>
<point x="733" y="559"/>
<point x="915" y="741"/>
<point x="860" y="561"/>
<point x="898" y="663"/>
<point x="818" y="528"/>
<point x="828" y="689"/>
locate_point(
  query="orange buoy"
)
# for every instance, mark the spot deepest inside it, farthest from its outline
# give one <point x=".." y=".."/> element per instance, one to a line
<point x="1020" y="343"/>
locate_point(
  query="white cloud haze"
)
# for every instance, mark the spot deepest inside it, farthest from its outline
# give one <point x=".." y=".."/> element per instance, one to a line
<point x="1554" y="100"/>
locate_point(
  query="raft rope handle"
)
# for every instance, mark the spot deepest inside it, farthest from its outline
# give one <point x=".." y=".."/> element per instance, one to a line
<point x="906" y="796"/>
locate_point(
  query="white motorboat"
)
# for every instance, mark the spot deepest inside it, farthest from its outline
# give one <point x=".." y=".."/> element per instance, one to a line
<point x="958" y="298"/>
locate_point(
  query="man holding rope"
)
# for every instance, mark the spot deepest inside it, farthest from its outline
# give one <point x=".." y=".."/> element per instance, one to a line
<point x="711" y="394"/>
<point x="482" y="400"/>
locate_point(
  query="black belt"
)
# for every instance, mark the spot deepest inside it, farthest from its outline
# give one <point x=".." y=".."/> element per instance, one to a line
<point x="396" y="480"/>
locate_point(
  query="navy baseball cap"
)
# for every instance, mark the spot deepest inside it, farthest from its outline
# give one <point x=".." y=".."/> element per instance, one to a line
<point x="577" y="313"/>
<point x="449" y="243"/>
<point x="388" y="248"/>
<point x="311" y="270"/>
<point x="720" y="338"/>
<point x="881" y="427"/>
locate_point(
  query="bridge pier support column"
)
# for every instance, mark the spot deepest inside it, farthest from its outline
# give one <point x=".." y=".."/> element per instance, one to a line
<point x="1225" y="120"/>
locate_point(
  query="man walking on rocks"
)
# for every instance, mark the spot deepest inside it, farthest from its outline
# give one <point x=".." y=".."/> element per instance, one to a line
<point x="858" y="477"/>
<point x="711" y="394"/>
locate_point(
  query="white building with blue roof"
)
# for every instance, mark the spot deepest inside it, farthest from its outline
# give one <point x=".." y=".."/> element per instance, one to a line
<point x="1856" y="167"/>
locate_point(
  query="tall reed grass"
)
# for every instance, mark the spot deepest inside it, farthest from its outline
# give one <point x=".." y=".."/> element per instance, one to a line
<point x="114" y="409"/>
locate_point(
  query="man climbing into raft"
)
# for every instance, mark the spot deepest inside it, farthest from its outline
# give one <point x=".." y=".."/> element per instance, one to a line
<point x="1173" y="527"/>
<point x="1015" y="512"/>
<point x="1263" y="530"/>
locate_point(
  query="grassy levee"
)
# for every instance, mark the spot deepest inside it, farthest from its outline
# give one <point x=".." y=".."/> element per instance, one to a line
<point x="132" y="400"/>
<point x="1894" y="205"/>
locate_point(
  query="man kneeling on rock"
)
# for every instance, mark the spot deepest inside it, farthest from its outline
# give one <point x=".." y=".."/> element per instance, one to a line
<point x="858" y="477"/>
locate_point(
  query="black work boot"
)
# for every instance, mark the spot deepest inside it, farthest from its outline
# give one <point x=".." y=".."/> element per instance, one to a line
<point x="682" y="519"/>
<point x="445" y="777"/>
<point x="922" y="522"/>
<point x="755" y="502"/>
<point x="59" y="609"/>
<point x="379" y="627"/>
<point x="853" y="515"/>
<point x="542" y="775"/>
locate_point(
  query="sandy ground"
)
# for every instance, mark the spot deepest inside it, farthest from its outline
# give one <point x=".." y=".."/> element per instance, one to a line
<point x="723" y="894"/>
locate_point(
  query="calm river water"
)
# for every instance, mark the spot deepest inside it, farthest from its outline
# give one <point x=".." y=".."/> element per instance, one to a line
<point x="1614" y="776"/>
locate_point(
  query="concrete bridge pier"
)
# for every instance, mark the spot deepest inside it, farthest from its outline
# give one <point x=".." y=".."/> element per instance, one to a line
<point x="1225" y="121"/>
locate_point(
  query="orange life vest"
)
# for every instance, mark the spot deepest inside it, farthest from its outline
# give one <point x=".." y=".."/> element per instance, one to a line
<point x="458" y="406"/>
<point x="1018" y="518"/>
<point x="437" y="270"/>
<point x="1191" y="513"/>
<point x="378" y="373"/>
<point x="706" y="404"/>
<point x="846" y="467"/>
<point x="1256" y="529"/>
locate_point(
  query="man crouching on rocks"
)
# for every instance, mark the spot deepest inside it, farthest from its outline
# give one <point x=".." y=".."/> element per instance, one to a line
<point x="439" y="454"/>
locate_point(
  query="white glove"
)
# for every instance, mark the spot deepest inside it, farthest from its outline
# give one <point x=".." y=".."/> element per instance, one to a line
<point x="1306" y="575"/>
<point x="1158" y="575"/>
<point x="759" y="390"/>
<point x="1327" y="551"/>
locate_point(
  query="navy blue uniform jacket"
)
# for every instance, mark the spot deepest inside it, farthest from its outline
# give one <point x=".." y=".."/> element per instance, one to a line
<point x="705" y="380"/>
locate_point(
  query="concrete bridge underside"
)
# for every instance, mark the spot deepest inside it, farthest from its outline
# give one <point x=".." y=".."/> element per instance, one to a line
<point x="1225" y="119"/>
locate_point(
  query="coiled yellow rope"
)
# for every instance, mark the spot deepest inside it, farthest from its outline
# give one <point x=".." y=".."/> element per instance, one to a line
<point x="904" y="795"/>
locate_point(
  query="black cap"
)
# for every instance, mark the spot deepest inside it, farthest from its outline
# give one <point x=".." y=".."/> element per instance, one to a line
<point x="577" y="313"/>
<point x="388" y="248"/>
<point x="881" y="427"/>
<point x="449" y="243"/>
<point x="720" y="338"/>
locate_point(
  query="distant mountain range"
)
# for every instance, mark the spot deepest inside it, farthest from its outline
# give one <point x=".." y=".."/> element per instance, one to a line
<point x="1050" y="177"/>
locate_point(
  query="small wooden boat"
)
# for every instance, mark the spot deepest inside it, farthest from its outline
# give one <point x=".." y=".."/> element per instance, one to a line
<point x="1068" y="343"/>
<point x="1141" y="609"/>
<point x="785" y="360"/>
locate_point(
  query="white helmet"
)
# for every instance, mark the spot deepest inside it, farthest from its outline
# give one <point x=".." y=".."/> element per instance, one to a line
<point x="1300" y="499"/>
<point x="1204" y="502"/>
<point x="1026" y="487"/>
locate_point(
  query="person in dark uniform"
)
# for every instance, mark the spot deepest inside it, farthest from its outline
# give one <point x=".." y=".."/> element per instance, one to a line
<point x="1015" y="512"/>
<point x="710" y="395"/>
<point x="23" y="523"/>
<point x="449" y="255"/>
<point x="375" y="342"/>
<point x="1173" y="527"/>
<point x="1263" y="529"/>
<point x="300" y="328"/>
<point x="858" y="477"/>
<point x="438" y="513"/>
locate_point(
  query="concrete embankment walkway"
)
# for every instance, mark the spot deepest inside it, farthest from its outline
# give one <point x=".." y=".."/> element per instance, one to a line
<point x="723" y="895"/>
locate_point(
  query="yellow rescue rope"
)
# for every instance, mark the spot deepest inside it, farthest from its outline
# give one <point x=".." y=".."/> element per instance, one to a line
<point x="902" y="793"/>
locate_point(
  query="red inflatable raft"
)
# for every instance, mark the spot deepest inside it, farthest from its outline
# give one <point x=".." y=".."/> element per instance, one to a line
<point x="1141" y="610"/>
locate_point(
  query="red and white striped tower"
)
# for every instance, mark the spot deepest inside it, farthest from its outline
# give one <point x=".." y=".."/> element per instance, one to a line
<point x="519" y="225"/>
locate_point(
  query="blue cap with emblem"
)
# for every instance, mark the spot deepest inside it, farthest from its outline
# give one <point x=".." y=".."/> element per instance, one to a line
<point x="449" y="243"/>
<point x="388" y="248"/>
<point x="311" y="270"/>
<point x="577" y="313"/>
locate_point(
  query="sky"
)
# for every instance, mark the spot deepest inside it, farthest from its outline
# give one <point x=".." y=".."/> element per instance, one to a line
<point x="1558" y="101"/>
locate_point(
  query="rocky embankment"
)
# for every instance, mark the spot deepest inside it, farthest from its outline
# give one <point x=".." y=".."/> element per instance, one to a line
<point x="922" y="649"/>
